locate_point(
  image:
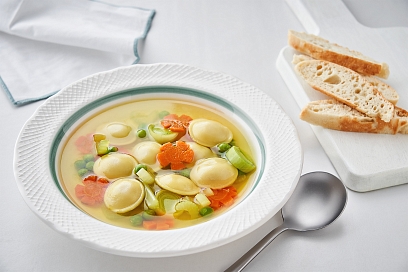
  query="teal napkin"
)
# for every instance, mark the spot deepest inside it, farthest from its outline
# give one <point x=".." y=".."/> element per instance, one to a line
<point x="48" y="44"/>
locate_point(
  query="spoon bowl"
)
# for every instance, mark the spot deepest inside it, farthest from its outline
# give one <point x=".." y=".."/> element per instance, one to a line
<point x="317" y="201"/>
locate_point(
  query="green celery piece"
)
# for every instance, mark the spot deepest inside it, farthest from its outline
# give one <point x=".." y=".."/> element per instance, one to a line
<point x="102" y="147"/>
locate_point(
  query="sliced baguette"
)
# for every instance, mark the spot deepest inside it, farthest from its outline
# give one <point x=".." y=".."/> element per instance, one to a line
<point x="335" y="115"/>
<point x="346" y="86"/>
<point x="387" y="91"/>
<point x="322" y="49"/>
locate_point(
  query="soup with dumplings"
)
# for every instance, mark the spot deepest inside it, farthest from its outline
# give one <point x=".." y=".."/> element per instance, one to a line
<point x="156" y="164"/>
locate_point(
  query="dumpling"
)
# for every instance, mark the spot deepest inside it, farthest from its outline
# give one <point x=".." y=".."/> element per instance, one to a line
<point x="146" y="152"/>
<point x="209" y="133"/>
<point x="177" y="184"/>
<point x="200" y="152"/>
<point x="124" y="195"/>
<point x="114" y="165"/>
<point x="215" y="173"/>
<point x="118" y="133"/>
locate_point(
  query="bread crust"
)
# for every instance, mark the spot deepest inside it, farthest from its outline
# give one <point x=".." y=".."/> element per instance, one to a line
<point x="313" y="46"/>
<point x="335" y="115"/>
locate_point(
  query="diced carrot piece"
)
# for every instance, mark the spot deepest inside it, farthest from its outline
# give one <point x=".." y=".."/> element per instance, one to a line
<point x="227" y="201"/>
<point x="232" y="191"/>
<point x="169" y="222"/>
<point x="219" y="194"/>
<point x="162" y="226"/>
<point x="185" y="119"/>
<point x="176" y="123"/>
<point x="222" y="197"/>
<point x="215" y="204"/>
<point x="149" y="225"/>
<point x="233" y="194"/>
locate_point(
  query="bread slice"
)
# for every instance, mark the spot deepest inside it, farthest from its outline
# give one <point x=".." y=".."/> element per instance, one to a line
<point x="346" y="86"/>
<point x="322" y="49"/>
<point x="299" y="58"/>
<point x="387" y="91"/>
<point x="335" y="115"/>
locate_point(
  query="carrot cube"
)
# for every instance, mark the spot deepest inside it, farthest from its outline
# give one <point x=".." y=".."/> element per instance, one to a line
<point x="150" y="225"/>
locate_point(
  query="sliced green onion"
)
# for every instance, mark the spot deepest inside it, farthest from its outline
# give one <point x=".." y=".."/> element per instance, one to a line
<point x="235" y="156"/>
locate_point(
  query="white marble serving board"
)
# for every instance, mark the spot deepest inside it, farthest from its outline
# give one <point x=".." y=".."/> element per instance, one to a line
<point x="363" y="161"/>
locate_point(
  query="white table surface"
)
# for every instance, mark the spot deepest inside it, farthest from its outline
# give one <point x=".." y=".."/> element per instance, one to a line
<point x="242" y="38"/>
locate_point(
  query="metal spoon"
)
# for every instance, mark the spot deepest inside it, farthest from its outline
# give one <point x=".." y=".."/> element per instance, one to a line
<point x="318" y="199"/>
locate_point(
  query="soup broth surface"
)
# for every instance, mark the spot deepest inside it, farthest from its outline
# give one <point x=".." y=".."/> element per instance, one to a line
<point x="127" y="125"/>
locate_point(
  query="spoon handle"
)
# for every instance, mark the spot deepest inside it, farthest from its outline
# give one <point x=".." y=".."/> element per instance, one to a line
<point x="242" y="262"/>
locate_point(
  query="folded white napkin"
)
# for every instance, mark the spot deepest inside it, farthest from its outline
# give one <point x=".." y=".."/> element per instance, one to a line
<point x="48" y="44"/>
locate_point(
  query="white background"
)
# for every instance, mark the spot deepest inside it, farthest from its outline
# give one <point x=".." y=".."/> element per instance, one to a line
<point x="242" y="38"/>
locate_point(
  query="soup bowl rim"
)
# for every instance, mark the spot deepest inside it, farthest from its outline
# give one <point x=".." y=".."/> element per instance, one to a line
<point x="45" y="199"/>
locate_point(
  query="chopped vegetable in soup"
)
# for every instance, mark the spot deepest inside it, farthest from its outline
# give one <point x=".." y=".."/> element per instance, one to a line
<point x="156" y="164"/>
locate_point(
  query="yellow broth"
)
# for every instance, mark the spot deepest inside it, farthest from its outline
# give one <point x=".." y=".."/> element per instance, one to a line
<point x="139" y="114"/>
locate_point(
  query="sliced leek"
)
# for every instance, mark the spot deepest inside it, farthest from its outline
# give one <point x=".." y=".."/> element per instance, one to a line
<point x="162" y="135"/>
<point x="186" y="210"/>
<point x="235" y="156"/>
<point x="167" y="201"/>
<point x="150" y="199"/>
<point x="145" y="176"/>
